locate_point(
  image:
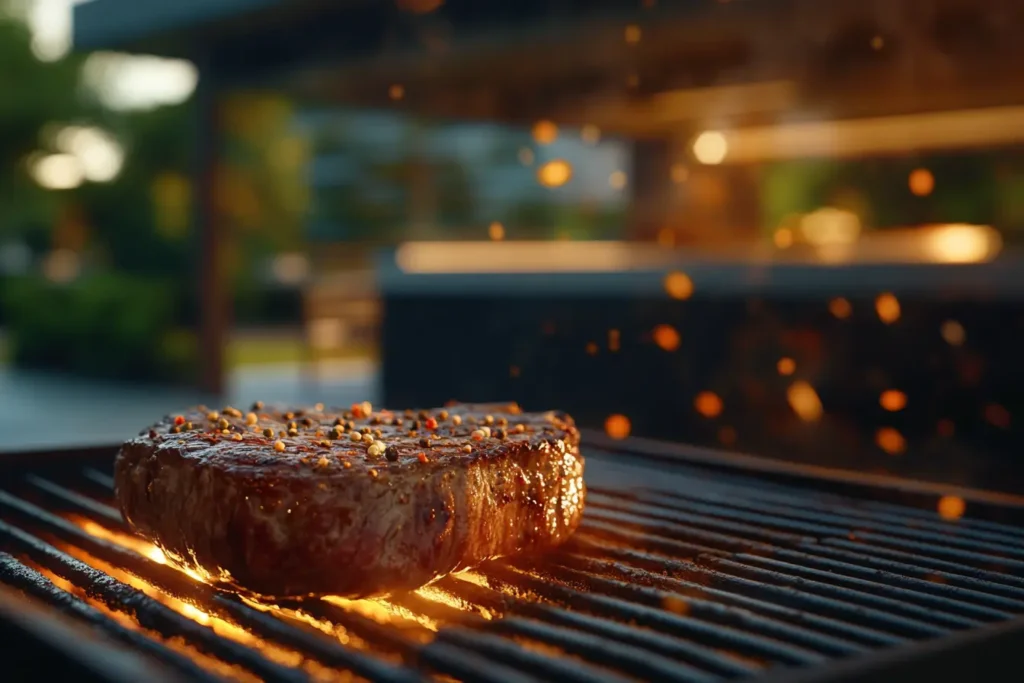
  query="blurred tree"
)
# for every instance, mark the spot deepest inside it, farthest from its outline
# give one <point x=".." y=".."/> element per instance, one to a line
<point x="32" y="95"/>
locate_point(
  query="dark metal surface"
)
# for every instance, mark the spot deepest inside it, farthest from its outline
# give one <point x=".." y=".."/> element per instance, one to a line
<point x="689" y="566"/>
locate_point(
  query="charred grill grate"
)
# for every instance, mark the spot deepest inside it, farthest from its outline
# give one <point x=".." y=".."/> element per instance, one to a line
<point x="680" y="573"/>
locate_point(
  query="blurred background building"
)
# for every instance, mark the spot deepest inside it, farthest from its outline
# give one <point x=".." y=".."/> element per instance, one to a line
<point x="785" y="226"/>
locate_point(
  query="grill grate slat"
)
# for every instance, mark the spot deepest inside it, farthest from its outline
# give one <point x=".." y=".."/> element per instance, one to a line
<point x="147" y="611"/>
<point x="709" y="576"/>
<point x="14" y="573"/>
<point x="647" y="567"/>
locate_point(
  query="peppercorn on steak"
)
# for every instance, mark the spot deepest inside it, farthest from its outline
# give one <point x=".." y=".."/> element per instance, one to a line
<point x="280" y="502"/>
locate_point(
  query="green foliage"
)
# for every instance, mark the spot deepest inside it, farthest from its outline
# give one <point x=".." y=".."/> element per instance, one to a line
<point x="32" y="93"/>
<point x="110" y="326"/>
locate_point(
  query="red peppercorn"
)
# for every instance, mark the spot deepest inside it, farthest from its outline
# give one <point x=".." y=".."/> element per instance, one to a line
<point x="179" y="420"/>
<point x="431" y="423"/>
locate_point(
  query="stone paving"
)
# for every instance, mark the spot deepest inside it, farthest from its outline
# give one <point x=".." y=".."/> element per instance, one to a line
<point x="39" y="410"/>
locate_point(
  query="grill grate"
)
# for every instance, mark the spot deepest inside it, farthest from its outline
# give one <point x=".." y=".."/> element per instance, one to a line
<point x="709" y="575"/>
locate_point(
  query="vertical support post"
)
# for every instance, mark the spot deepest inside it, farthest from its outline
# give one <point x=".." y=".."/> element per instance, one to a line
<point x="212" y="301"/>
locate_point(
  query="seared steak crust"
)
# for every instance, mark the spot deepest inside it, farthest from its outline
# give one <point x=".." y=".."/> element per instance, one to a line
<point x="289" y="502"/>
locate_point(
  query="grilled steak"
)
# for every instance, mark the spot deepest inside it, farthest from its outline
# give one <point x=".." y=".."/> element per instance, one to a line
<point x="302" y="502"/>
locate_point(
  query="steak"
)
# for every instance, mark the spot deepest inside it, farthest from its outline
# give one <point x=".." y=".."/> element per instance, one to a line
<point x="294" y="502"/>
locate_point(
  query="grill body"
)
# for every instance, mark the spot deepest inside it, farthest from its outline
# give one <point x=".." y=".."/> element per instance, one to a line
<point x="690" y="565"/>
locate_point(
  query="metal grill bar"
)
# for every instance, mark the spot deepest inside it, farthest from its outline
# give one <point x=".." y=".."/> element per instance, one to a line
<point x="714" y="576"/>
<point x="14" y="573"/>
<point x="299" y="636"/>
<point x="147" y="611"/>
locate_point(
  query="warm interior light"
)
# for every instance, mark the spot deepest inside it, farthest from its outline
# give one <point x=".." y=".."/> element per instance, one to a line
<point x="962" y="129"/>
<point x="521" y="256"/>
<point x="710" y="147"/>
<point x="962" y="243"/>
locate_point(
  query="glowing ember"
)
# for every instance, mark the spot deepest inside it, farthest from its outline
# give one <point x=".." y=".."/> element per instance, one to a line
<point x="840" y="308"/>
<point x="893" y="400"/>
<point x="678" y="285"/>
<point x="890" y="441"/>
<point x="591" y="349"/>
<point x="921" y="182"/>
<point x="614" y="340"/>
<point x="666" y="337"/>
<point x="676" y="605"/>
<point x="708" y="404"/>
<point x="545" y="132"/>
<point x="617" y="426"/>
<point x="997" y="415"/>
<point x="888" y="308"/>
<point x="554" y="173"/>
<point x="786" y="366"/>
<point x="804" y="401"/>
<point x="954" y="333"/>
<point x="951" y="507"/>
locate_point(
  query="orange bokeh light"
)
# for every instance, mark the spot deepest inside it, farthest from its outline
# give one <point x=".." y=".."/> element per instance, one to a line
<point x="888" y="308"/>
<point x="786" y="366"/>
<point x="545" y="132"/>
<point x="893" y="400"/>
<point x="921" y="182"/>
<point x="666" y="337"/>
<point x="617" y="426"/>
<point x="614" y="340"/>
<point x="890" y="441"/>
<point x="804" y="401"/>
<point x="496" y="231"/>
<point x="678" y="285"/>
<point x="952" y="507"/>
<point x="554" y="173"/>
<point x="708" y="404"/>
<point x="840" y="308"/>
